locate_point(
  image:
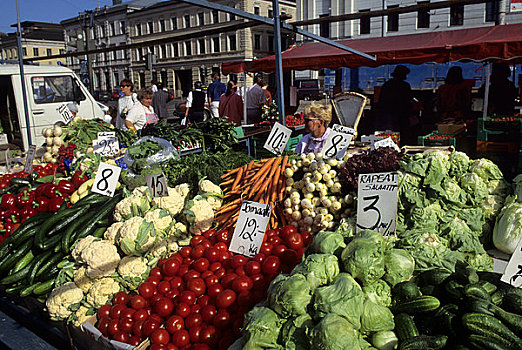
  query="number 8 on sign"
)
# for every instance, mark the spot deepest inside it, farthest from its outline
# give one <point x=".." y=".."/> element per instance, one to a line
<point x="106" y="179"/>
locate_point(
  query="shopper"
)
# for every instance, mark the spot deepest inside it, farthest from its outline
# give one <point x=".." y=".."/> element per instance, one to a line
<point x="317" y="118"/>
<point x="195" y="107"/>
<point x="125" y="102"/>
<point x="153" y="86"/>
<point x="159" y="102"/>
<point x="255" y="99"/>
<point x="214" y="92"/>
<point x="142" y="113"/>
<point x="454" y="97"/>
<point x="231" y="104"/>
<point x="502" y="91"/>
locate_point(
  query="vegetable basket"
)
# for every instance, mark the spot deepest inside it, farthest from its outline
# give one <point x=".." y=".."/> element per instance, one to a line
<point x="437" y="139"/>
<point x="500" y="129"/>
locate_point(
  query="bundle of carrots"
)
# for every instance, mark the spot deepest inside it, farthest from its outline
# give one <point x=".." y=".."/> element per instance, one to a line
<point x="262" y="182"/>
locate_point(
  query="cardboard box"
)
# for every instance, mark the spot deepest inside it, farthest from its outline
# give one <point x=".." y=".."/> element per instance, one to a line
<point x="451" y="128"/>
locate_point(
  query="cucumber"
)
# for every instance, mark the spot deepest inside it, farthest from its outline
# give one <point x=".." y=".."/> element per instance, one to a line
<point x="423" y="342"/>
<point x="71" y="230"/>
<point x="445" y="317"/>
<point x="17" y="276"/>
<point x="491" y="327"/>
<point x="23" y="262"/>
<point x="40" y="259"/>
<point x="405" y="327"/>
<point x="424" y="303"/>
<point x="498" y="296"/>
<point x="436" y="276"/>
<point x="454" y="289"/>
<point x="482" y="342"/>
<point x="512" y="302"/>
<point x="14" y="289"/>
<point x="90" y="199"/>
<point x="27" y="226"/>
<point x="464" y="273"/>
<point x="475" y="290"/>
<point x="50" y="223"/>
<point x="405" y="291"/>
<point x="47" y="266"/>
<point x="67" y="220"/>
<point x="28" y="290"/>
<point x="511" y="320"/>
<point x="478" y="305"/>
<point x="51" y="242"/>
<point x="44" y="287"/>
<point x="98" y="233"/>
<point x="488" y="286"/>
<point x="9" y="261"/>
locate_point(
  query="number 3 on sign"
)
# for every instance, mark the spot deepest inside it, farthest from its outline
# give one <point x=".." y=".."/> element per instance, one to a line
<point x="157" y="184"/>
<point x="106" y="179"/>
<point x="277" y="139"/>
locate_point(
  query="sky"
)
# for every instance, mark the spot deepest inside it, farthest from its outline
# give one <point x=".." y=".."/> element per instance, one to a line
<point x="44" y="10"/>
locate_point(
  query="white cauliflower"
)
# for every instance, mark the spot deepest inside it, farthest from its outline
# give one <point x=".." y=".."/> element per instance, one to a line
<point x="63" y="300"/>
<point x="212" y="193"/>
<point x="177" y="230"/>
<point x="132" y="266"/>
<point x="131" y="206"/>
<point x="102" y="291"/>
<point x="136" y="236"/>
<point x="173" y="203"/>
<point x="164" y="248"/>
<point x="200" y="215"/>
<point x="160" y="218"/>
<point x="142" y="191"/>
<point x="183" y="190"/>
<point x="112" y="231"/>
<point x="82" y="280"/>
<point x="80" y="316"/>
<point x="101" y="258"/>
<point x="80" y="246"/>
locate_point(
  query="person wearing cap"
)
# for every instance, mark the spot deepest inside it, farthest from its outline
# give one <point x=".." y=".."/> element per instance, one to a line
<point x="317" y="118"/>
<point x="395" y="102"/>
<point x="195" y="107"/>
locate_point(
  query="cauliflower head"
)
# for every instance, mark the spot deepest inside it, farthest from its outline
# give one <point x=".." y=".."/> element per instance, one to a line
<point x="160" y="218"/>
<point x="133" y="266"/>
<point x="101" y="258"/>
<point x="183" y="190"/>
<point x="177" y="230"/>
<point x="81" y="279"/>
<point x="164" y="247"/>
<point x="200" y="215"/>
<point x="81" y="316"/>
<point x="211" y="193"/>
<point x="136" y="236"/>
<point x="173" y="203"/>
<point x="102" y="291"/>
<point x="64" y="300"/>
<point x="80" y="246"/>
<point x="131" y="206"/>
<point x="112" y="231"/>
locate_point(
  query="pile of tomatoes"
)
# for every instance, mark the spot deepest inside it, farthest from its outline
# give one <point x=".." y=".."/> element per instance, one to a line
<point x="196" y="299"/>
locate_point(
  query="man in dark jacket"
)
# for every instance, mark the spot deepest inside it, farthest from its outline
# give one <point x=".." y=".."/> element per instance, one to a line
<point x="159" y="102"/>
<point x="195" y="109"/>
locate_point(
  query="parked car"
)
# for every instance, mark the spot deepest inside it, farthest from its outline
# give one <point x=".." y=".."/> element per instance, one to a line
<point x="102" y="95"/>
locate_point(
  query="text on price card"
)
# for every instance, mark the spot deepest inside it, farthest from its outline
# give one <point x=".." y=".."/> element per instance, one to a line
<point x="338" y="141"/>
<point x="377" y="202"/>
<point x="106" y="179"/>
<point x="157" y="184"/>
<point x="513" y="272"/>
<point x="250" y="228"/>
<point x="65" y="113"/>
<point x="278" y="138"/>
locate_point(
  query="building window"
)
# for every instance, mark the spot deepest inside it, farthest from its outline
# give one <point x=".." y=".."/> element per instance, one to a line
<point x="116" y="77"/>
<point x="187" y="21"/>
<point x="270" y="13"/>
<point x="175" y="51"/>
<point x="324" y="28"/>
<point x="271" y="43"/>
<point x="150" y="25"/>
<point x="257" y="42"/>
<point x="423" y="16"/>
<point x="232" y="45"/>
<point x="163" y="51"/>
<point x="257" y="10"/>
<point x="49" y="52"/>
<point x="35" y="51"/>
<point x="163" y="28"/>
<point x="113" y="28"/>
<point x="122" y="27"/>
<point x="492" y="9"/>
<point x="24" y="51"/>
<point x="174" y="23"/>
<point x="364" y="23"/>
<point x="456" y="15"/>
<point x="215" y="16"/>
<point x="393" y="20"/>
<point x="201" y="44"/>
<point x="232" y="17"/>
<point x="201" y="18"/>
<point x="215" y="44"/>
<point x="138" y="29"/>
<point x="188" y="48"/>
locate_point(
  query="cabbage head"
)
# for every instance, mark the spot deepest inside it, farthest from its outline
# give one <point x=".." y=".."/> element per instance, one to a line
<point x="346" y="228"/>
<point x="289" y="295"/>
<point x="508" y="228"/>
<point x="492" y="205"/>
<point x="475" y="187"/>
<point x="296" y="333"/>
<point x="486" y="169"/>
<point x="385" y="340"/>
<point x="344" y="297"/>
<point x="328" y="243"/>
<point x="459" y="164"/>
<point x="335" y="333"/>
<point x="363" y="258"/>
<point x="376" y="318"/>
<point x="319" y="269"/>
<point x="437" y="170"/>
<point x="261" y="329"/>
<point x="379" y="292"/>
<point x="399" y="266"/>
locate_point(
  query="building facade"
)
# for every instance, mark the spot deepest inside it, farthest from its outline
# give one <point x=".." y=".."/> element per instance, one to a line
<point x="38" y="39"/>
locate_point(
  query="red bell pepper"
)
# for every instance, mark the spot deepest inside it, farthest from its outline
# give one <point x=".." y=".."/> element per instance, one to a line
<point x="65" y="186"/>
<point x="26" y="213"/>
<point x="25" y="199"/>
<point x="2" y="214"/>
<point x="55" y="203"/>
<point x="79" y="178"/>
<point x="51" y="191"/>
<point x="8" y="201"/>
<point x="9" y="228"/>
<point x="40" y="189"/>
<point x="41" y="204"/>
<point x="12" y="215"/>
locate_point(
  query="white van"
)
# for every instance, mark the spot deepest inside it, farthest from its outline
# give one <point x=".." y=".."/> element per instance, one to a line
<point x="48" y="88"/>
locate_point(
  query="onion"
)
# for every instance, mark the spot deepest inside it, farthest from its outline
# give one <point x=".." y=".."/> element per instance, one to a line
<point x="54" y="149"/>
<point x="57" y="130"/>
<point x="288" y="172"/>
<point x="49" y="141"/>
<point x="47" y="157"/>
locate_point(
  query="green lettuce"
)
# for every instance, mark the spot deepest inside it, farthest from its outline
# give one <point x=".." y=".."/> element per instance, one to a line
<point x="296" y="333"/>
<point x="459" y="164"/>
<point x="379" y="292"/>
<point x="328" y="243"/>
<point x="319" y="269"/>
<point x="335" y="333"/>
<point x="363" y="258"/>
<point x="486" y="169"/>
<point x="376" y="318"/>
<point x="475" y="187"/>
<point x="289" y="295"/>
<point x="261" y="329"/>
<point x="508" y="227"/>
<point x="399" y="266"/>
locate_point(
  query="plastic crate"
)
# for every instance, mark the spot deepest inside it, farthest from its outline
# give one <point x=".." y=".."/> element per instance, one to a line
<point x="500" y="147"/>
<point x="506" y="129"/>
<point x="448" y="140"/>
<point x="293" y="141"/>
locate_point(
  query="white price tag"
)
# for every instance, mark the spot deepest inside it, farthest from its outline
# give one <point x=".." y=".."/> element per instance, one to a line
<point x="157" y="184"/>
<point x="106" y="146"/>
<point x="338" y="141"/>
<point x="387" y="142"/>
<point x="65" y="113"/>
<point x="377" y="202"/>
<point x="513" y="273"/>
<point x="30" y="157"/>
<point x="250" y="228"/>
<point x="106" y="179"/>
<point x="276" y="142"/>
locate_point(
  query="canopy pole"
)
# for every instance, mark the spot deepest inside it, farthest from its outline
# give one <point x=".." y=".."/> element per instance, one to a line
<point x="245" y="97"/>
<point x="486" y="91"/>
<point x="279" y="62"/>
<point x="22" y="76"/>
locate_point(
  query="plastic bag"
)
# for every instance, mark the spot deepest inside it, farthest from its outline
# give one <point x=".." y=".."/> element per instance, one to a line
<point x="168" y="152"/>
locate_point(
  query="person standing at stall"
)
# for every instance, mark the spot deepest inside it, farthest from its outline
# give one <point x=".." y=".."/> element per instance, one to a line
<point x="502" y="91"/>
<point x="214" y="92"/>
<point x="454" y="97"/>
<point x="231" y="104"/>
<point x="125" y="102"/>
<point x="159" y="102"/>
<point x="195" y="107"/>
<point x="256" y="98"/>
<point x="142" y="113"/>
<point x="317" y="118"/>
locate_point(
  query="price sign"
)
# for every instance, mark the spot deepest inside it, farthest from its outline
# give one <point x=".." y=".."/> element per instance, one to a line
<point x="106" y="179"/>
<point x="29" y="161"/>
<point x="250" y="228"/>
<point x="277" y="139"/>
<point x="157" y="184"/>
<point x="387" y="142"/>
<point x="338" y="141"/>
<point x="513" y="272"/>
<point x="377" y="202"/>
<point x="65" y="113"/>
<point x="107" y="144"/>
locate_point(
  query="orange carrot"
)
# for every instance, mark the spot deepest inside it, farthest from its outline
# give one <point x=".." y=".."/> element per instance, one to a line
<point x="238" y="177"/>
<point x="275" y="186"/>
<point x="262" y="184"/>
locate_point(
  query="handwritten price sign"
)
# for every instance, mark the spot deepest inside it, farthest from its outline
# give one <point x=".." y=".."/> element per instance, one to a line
<point x="377" y="202"/>
<point x="513" y="272"/>
<point x="30" y="157"/>
<point x="107" y="144"/>
<point x="276" y="142"/>
<point x="157" y="184"/>
<point x="250" y="228"/>
<point x="65" y="113"/>
<point x="387" y="142"/>
<point x="338" y="141"/>
<point x="106" y="179"/>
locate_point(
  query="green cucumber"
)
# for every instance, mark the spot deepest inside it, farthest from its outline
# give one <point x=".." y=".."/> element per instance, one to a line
<point x="424" y="342"/>
<point x="424" y="303"/>
<point x="17" y="276"/>
<point x="405" y="327"/>
<point x="28" y="290"/>
<point x="51" y="242"/>
<point x="476" y="290"/>
<point x="492" y="327"/>
<point x="511" y="320"/>
<point x="27" y="226"/>
<point x="50" y="223"/>
<point x="488" y="286"/>
<point x="498" y="296"/>
<point x="14" y="289"/>
<point x="23" y="262"/>
<point x="44" y="287"/>
<point x="46" y="267"/>
<point x="445" y="317"/>
<point x="482" y="342"/>
<point x="405" y="291"/>
<point x="454" y="289"/>
<point x="68" y="219"/>
<point x="72" y="229"/>
<point x="436" y="276"/>
<point x="40" y="259"/>
<point x="512" y="302"/>
<point x="9" y="261"/>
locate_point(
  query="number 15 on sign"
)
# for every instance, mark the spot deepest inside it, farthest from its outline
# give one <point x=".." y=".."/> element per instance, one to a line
<point x="277" y="139"/>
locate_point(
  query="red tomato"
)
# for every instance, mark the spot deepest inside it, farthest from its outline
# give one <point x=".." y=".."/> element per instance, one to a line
<point x="170" y="267"/>
<point x="195" y="308"/>
<point x="191" y="274"/>
<point x="180" y="338"/>
<point x="197" y="252"/>
<point x="196" y="285"/>
<point x="209" y="233"/>
<point x="279" y="249"/>
<point x="176" y="256"/>
<point x="239" y="260"/>
<point x="266" y="248"/>
<point x="274" y="240"/>
<point x="294" y="241"/>
<point x="116" y="310"/>
<point x="127" y="313"/>
<point x="176" y="282"/>
<point x="102" y="325"/>
<point x="223" y="236"/>
<point x="221" y="246"/>
<point x="154" y="280"/>
<point x="155" y="298"/>
<point x="156" y="271"/>
<point x="164" y="307"/>
<point x="140" y="315"/>
<point x="212" y="254"/>
<point x="194" y="241"/>
<point x="203" y="300"/>
<point x="210" y="280"/>
<point x="271" y="232"/>
<point x="221" y="319"/>
<point x="259" y="257"/>
<point x="125" y="325"/>
<point x="159" y="347"/>
<point x="183" y="269"/>
<point x="138" y="302"/>
<point x="214" y="266"/>
<point x="194" y="335"/>
<point x="188" y="297"/>
<point x="307" y="238"/>
<point x="226" y="281"/>
<point x="240" y="271"/>
<point x="113" y="327"/>
<point x="201" y="264"/>
<point x="220" y="273"/>
<point x="271" y="265"/>
<point x="160" y="336"/>
<point x="193" y="320"/>
<point x="242" y="284"/>
<point x="174" y="323"/>
<point x="149" y="326"/>
<point x="134" y="340"/>
<point x="206" y="273"/>
<point x="245" y="299"/>
<point x="185" y="252"/>
<point x="252" y="268"/>
<point x="288" y="229"/>
<point x="156" y="317"/>
<point x="208" y="313"/>
<point x="225" y="298"/>
<point x="225" y="341"/>
<point x="289" y="259"/>
<point x="121" y="337"/>
<point x="256" y="280"/>
<point x="205" y="243"/>
<point x="103" y="311"/>
<point x="182" y="309"/>
<point x="209" y="335"/>
<point x="171" y="294"/>
<point x="214" y="289"/>
<point x="147" y="290"/>
<point x="120" y="298"/>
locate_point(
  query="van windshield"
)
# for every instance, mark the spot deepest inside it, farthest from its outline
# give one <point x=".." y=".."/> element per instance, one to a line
<point x="50" y="89"/>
